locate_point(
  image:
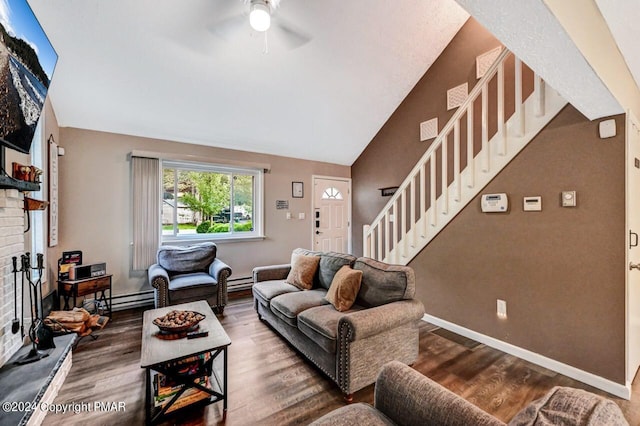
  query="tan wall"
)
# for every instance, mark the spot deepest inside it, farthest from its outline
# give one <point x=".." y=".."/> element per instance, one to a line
<point x="561" y="271"/>
<point x="95" y="203"/>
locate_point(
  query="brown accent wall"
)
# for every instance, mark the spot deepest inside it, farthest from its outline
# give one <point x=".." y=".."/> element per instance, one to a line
<point x="396" y="148"/>
<point x="561" y="271"/>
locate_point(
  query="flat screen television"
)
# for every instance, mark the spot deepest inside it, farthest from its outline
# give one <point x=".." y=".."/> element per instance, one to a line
<point x="27" y="61"/>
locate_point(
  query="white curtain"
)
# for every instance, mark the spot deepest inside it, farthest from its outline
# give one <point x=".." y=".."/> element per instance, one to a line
<point x="146" y="211"/>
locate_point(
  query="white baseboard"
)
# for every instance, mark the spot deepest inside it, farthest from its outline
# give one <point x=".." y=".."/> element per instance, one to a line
<point x="622" y="391"/>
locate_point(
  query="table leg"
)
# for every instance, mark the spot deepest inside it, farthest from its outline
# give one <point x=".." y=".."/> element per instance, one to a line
<point x="224" y="386"/>
<point x="147" y="397"/>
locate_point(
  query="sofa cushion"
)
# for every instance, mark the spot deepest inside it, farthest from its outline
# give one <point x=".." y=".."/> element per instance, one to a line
<point x="197" y="286"/>
<point x="182" y="281"/>
<point x="264" y="291"/>
<point x="303" y="270"/>
<point x="569" y="406"/>
<point x="354" y="414"/>
<point x="344" y="288"/>
<point x="320" y="324"/>
<point x="330" y="264"/>
<point x="195" y="258"/>
<point x="383" y="283"/>
<point x="288" y="306"/>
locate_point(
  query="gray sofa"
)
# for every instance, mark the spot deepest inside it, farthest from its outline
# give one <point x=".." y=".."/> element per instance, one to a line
<point x="349" y="347"/>
<point x="190" y="273"/>
<point x="405" y="397"/>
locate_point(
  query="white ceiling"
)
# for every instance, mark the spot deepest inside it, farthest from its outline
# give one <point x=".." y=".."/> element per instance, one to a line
<point x="160" y="69"/>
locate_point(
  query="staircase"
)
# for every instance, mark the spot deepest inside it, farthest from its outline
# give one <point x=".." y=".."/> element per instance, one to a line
<point x="435" y="191"/>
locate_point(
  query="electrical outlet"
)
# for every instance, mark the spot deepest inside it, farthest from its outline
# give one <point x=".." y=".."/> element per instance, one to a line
<point x="501" y="308"/>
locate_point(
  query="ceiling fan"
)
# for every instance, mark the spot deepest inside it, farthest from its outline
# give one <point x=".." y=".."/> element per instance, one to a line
<point x="262" y="18"/>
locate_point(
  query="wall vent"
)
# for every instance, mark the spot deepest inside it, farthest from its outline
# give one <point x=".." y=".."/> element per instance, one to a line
<point x="484" y="61"/>
<point x="428" y="129"/>
<point x="457" y="95"/>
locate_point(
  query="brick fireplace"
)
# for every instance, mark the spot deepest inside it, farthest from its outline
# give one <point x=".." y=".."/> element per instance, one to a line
<point x="11" y="244"/>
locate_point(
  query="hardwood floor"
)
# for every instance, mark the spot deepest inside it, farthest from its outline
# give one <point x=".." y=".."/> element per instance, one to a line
<point x="270" y="384"/>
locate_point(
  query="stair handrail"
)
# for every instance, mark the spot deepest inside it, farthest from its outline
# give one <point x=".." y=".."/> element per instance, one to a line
<point x="462" y="109"/>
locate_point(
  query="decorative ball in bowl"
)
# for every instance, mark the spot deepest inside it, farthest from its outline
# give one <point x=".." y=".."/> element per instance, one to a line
<point x="178" y="321"/>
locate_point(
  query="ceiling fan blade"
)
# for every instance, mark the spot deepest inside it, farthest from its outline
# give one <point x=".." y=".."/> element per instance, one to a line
<point x="228" y="27"/>
<point x="291" y="35"/>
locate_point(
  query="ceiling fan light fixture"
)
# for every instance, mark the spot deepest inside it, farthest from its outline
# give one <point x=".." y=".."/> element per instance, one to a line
<point x="260" y="15"/>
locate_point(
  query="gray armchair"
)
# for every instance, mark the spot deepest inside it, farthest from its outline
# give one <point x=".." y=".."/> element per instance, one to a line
<point x="187" y="274"/>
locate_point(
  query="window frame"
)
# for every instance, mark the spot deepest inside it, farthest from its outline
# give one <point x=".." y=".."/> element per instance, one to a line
<point x="258" y="201"/>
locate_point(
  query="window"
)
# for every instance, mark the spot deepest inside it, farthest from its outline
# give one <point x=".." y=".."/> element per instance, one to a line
<point x="332" y="194"/>
<point x="210" y="202"/>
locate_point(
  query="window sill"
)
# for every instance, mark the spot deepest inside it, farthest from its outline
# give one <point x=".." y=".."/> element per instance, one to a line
<point x="194" y="240"/>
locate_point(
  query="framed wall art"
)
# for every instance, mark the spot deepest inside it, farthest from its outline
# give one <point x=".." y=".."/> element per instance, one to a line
<point x="297" y="189"/>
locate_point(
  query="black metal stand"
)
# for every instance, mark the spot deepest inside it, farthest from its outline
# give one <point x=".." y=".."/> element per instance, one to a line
<point x="35" y="295"/>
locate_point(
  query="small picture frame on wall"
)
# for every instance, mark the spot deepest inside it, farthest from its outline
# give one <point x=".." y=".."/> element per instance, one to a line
<point x="297" y="189"/>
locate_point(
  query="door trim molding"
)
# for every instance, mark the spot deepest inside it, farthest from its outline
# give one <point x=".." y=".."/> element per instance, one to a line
<point x="630" y="122"/>
<point x="349" y="203"/>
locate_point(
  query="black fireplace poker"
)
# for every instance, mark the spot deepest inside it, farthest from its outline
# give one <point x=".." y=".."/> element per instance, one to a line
<point x="15" y="324"/>
<point x="35" y="300"/>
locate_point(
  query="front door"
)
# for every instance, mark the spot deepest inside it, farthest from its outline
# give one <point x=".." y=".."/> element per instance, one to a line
<point x="331" y="214"/>
<point x="633" y="247"/>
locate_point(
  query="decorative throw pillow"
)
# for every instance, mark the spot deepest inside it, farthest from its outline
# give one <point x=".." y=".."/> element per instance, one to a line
<point x="303" y="269"/>
<point x="344" y="288"/>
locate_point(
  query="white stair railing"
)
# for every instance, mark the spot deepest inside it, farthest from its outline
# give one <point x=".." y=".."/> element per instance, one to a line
<point x="442" y="183"/>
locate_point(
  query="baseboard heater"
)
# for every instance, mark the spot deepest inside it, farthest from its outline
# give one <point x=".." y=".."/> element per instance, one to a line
<point x="146" y="298"/>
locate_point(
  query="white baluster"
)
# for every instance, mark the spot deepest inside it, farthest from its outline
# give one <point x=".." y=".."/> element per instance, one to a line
<point x="470" y="160"/>
<point x="519" y="105"/>
<point x="380" y="255"/>
<point x="445" y="171"/>
<point x="365" y="242"/>
<point x="432" y="207"/>
<point x="539" y="89"/>
<point x="502" y="131"/>
<point x="485" y="128"/>
<point x="456" y="161"/>
<point x="412" y="199"/>
<point x="423" y="198"/>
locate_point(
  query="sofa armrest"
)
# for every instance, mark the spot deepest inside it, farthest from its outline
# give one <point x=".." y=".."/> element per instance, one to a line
<point x="272" y="272"/>
<point x="159" y="279"/>
<point x="219" y="270"/>
<point x="371" y="321"/>
<point x="409" y="398"/>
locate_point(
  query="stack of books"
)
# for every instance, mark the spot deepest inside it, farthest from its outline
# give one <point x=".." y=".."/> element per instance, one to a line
<point x="165" y="387"/>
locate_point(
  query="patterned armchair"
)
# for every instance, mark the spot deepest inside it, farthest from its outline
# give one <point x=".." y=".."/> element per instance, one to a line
<point x="187" y="274"/>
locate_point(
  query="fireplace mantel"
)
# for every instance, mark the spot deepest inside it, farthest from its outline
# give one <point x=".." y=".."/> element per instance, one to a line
<point x="9" y="183"/>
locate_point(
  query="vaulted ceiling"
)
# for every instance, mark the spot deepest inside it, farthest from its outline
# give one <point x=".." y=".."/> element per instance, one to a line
<point x="194" y="71"/>
<point x="178" y="70"/>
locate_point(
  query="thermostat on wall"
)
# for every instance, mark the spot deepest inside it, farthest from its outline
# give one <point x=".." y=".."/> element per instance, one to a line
<point x="494" y="203"/>
<point x="532" y="204"/>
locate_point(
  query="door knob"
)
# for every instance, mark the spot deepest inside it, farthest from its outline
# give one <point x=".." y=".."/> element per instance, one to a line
<point x="633" y="266"/>
<point x="318" y="233"/>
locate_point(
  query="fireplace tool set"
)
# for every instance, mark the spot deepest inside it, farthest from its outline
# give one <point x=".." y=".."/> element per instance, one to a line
<point x="36" y="333"/>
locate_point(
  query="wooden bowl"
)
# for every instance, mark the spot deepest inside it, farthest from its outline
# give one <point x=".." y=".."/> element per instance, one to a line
<point x="178" y="321"/>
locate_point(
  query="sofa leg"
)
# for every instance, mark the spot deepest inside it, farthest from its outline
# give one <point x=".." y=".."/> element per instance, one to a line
<point x="348" y="398"/>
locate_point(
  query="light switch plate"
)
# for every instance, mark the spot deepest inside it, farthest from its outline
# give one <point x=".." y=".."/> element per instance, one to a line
<point x="568" y="198"/>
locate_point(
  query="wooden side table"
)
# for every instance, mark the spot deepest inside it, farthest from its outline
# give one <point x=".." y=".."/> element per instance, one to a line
<point x="73" y="288"/>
